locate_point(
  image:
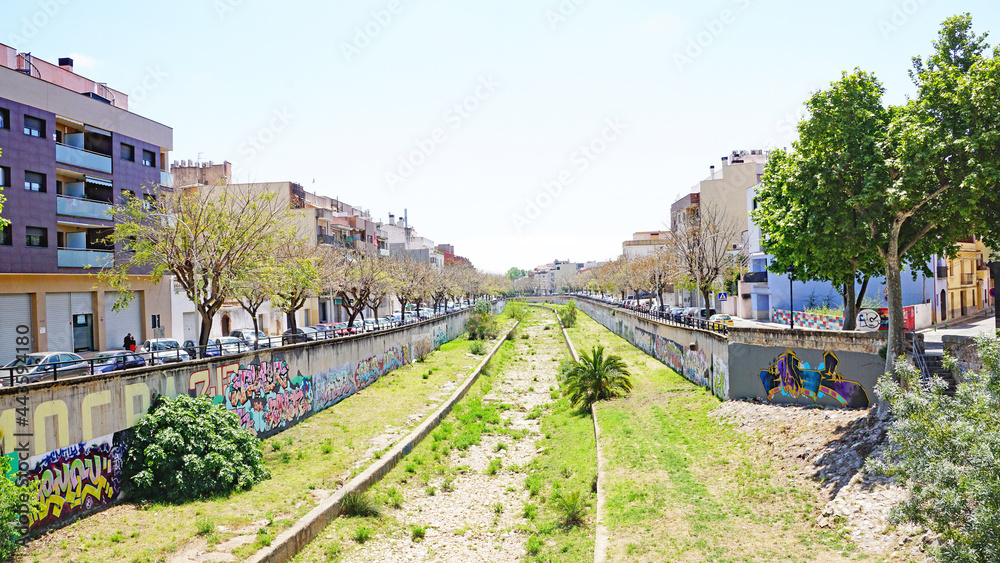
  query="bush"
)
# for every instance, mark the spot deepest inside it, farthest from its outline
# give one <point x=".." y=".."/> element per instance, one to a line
<point x="567" y="316"/>
<point x="516" y="310"/>
<point x="572" y="507"/>
<point x="10" y="499"/>
<point x="359" y="505"/>
<point x="596" y="378"/>
<point x="482" y="324"/>
<point x="187" y="448"/>
<point x="477" y="347"/>
<point x="945" y="448"/>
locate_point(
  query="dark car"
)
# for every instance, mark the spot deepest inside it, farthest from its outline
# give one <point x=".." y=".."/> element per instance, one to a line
<point x="251" y="337"/>
<point x="211" y="350"/>
<point x="301" y="334"/>
<point x="116" y="360"/>
<point x="42" y="366"/>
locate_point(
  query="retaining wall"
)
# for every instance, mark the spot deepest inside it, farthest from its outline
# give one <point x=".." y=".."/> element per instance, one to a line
<point x="835" y="369"/>
<point x="71" y="435"/>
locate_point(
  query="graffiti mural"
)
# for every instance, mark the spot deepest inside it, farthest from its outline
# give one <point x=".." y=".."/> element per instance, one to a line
<point x="664" y="350"/>
<point x="790" y="377"/>
<point x="440" y="336"/>
<point x="696" y="368"/>
<point x="77" y="479"/>
<point x="333" y="386"/>
<point x="720" y="378"/>
<point x="267" y="399"/>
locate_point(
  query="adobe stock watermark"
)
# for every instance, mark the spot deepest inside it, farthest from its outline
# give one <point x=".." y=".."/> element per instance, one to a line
<point x="711" y="30"/>
<point x="30" y="26"/>
<point x="455" y="118"/>
<point x="151" y="81"/>
<point x="257" y="142"/>
<point x="580" y="161"/>
<point x="562" y="12"/>
<point x="901" y="14"/>
<point x="370" y="30"/>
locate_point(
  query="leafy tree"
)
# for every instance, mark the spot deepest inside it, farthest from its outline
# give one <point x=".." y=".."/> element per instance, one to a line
<point x="945" y="448"/>
<point x="356" y="277"/>
<point x="516" y="273"/>
<point x="297" y="277"/>
<point x="186" y="448"/>
<point x="257" y="288"/>
<point x="597" y="378"/>
<point x="208" y="240"/>
<point x="567" y="315"/>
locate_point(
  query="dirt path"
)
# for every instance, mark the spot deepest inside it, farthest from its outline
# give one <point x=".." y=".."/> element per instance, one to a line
<point x="478" y="518"/>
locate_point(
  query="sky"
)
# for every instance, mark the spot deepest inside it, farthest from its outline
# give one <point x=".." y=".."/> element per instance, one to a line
<point x="520" y="131"/>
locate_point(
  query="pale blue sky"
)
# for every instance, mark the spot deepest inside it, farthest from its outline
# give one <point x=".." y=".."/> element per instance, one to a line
<point x="538" y="85"/>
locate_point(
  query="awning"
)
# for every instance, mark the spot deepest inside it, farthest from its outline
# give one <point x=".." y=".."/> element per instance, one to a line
<point x="93" y="129"/>
<point x="98" y="181"/>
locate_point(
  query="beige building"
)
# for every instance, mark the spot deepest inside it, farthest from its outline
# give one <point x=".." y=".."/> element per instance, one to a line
<point x="645" y="242"/>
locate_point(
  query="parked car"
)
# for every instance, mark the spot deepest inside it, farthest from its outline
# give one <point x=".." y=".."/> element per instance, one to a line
<point x="341" y="329"/>
<point x="212" y="349"/>
<point x="251" y="337"/>
<point x="372" y="324"/>
<point x="706" y="313"/>
<point x="722" y="319"/>
<point x="116" y="360"/>
<point x="164" y="351"/>
<point x="230" y="345"/>
<point x="323" y="331"/>
<point x="359" y="326"/>
<point x="301" y="334"/>
<point x="41" y="366"/>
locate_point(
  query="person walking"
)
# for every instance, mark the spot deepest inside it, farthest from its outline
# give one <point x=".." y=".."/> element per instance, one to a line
<point x="130" y="342"/>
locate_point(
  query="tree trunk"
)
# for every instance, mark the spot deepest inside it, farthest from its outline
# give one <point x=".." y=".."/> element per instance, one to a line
<point x="850" y="312"/>
<point x="290" y="319"/>
<point x="207" y="315"/>
<point x="861" y="294"/>
<point x="256" y="332"/>
<point x="894" y="288"/>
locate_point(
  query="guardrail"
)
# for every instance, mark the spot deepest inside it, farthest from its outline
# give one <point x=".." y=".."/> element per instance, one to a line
<point x="661" y="316"/>
<point x="129" y="359"/>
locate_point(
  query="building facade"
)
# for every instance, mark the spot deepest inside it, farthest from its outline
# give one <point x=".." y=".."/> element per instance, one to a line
<point x="69" y="151"/>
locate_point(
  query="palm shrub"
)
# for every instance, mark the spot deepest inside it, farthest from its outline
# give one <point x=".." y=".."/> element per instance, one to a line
<point x="596" y="377"/>
<point x="945" y="449"/>
<point x="567" y="316"/>
<point x="186" y="448"/>
<point x="571" y="507"/>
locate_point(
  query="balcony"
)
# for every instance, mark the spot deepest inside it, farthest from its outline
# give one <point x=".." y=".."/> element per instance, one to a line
<point x="331" y="240"/>
<point x="968" y="279"/>
<point x="166" y="179"/>
<point x="83" y="258"/>
<point x="77" y="207"/>
<point x="82" y="158"/>
<point x="755" y="277"/>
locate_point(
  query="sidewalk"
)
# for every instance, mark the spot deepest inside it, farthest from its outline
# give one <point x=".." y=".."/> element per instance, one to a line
<point x="968" y="326"/>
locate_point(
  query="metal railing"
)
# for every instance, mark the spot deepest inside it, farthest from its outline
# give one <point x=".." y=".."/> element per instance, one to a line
<point x="58" y="371"/>
<point x="656" y="315"/>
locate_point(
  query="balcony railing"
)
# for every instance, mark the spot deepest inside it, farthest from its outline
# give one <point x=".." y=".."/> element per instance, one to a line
<point x="77" y="207"/>
<point x="83" y="258"/>
<point x="83" y="159"/>
<point x="755" y="277"/>
<point x="331" y="240"/>
<point x="968" y="279"/>
<point x="166" y="179"/>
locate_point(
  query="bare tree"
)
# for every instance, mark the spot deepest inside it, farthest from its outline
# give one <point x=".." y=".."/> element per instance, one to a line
<point x="703" y="243"/>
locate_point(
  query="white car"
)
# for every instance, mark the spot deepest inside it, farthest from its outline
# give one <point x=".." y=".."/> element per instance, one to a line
<point x="163" y="351"/>
<point x="230" y="345"/>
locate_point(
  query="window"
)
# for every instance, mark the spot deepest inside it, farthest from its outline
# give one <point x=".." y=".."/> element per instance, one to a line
<point x="4" y="118"/>
<point x="37" y="236"/>
<point x="34" y="182"/>
<point x="6" y="236"/>
<point x="4" y="177"/>
<point x="33" y="126"/>
<point x="128" y="152"/>
<point x="148" y="158"/>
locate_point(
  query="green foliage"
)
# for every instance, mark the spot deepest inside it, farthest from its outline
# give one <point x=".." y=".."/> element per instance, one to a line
<point x="945" y="448"/>
<point x="534" y="545"/>
<point x="362" y="534"/>
<point x="395" y="498"/>
<point x="359" y="505"/>
<point x="204" y="525"/>
<point x="496" y="464"/>
<point x="567" y="315"/>
<point x="516" y="310"/>
<point x="11" y="496"/>
<point x="417" y="533"/>
<point x="534" y="484"/>
<point x="187" y="448"/>
<point x="477" y="347"/>
<point x="571" y="507"/>
<point x="516" y="273"/>
<point x="596" y="378"/>
<point x="482" y="324"/>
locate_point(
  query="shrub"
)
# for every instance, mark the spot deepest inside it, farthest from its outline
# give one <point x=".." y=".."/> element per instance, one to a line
<point x="10" y="499"/>
<point x="481" y="324"/>
<point x="418" y="532"/>
<point x="597" y="378"/>
<point x="187" y="448"/>
<point x="204" y="525"/>
<point x="516" y="310"/>
<point x="534" y="484"/>
<point x="359" y="504"/>
<point x="362" y="534"/>
<point x="571" y="507"/>
<point x="477" y="347"/>
<point x="567" y="316"/>
<point x="395" y="498"/>
<point x="495" y="466"/>
<point x="534" y="545"/>
<point x="944" y="447"/>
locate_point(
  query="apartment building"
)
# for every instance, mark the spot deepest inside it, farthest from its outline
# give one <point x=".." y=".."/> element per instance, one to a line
<point x="70" y="149"/>
<point x="963" y="283"/>
<point x="724" y="190"/>
<point x="403" y="240"/>
<point x="645" y="243"/>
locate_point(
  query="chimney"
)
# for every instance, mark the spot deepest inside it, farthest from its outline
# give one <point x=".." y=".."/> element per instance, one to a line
<point x="711" y="170"/>
<point x="66" y="63"/>
<point x="392" y="219"/>
<point x="725" y="161"/>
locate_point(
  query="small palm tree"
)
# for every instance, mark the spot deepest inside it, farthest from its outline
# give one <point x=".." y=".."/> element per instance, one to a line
<point x="595" y="378"/>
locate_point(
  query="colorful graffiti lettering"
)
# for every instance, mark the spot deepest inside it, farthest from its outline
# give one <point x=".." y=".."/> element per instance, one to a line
<point x="266" y="399"/>
<point x="696" y="368"/>
<point x="720" y="378"/>
<point x="76" y="479"/>
<point x="332" y="387"/>
<point x="789" y="377"/>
